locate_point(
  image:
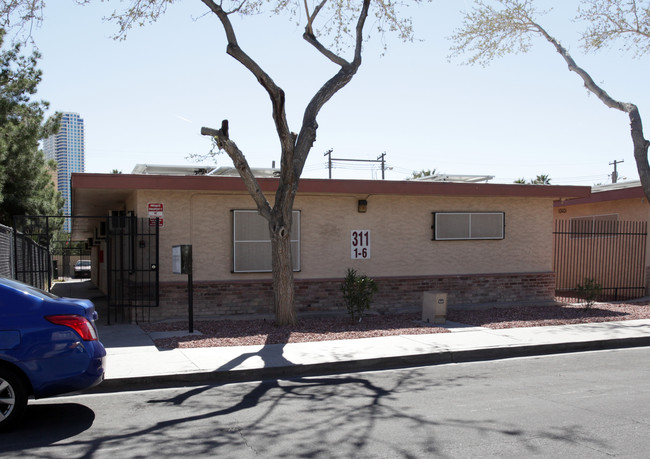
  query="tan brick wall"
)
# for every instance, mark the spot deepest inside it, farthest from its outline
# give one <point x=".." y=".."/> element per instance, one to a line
<point x="400" y="228"/>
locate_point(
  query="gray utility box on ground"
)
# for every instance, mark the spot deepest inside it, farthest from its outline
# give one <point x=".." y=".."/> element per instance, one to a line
<point x="434" y="307"/>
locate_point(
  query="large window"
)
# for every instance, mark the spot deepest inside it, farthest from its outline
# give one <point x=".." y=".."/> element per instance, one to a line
<point x="458" y="226"/>
<point x="594" y="226"/>
<point x="252" y="242"/>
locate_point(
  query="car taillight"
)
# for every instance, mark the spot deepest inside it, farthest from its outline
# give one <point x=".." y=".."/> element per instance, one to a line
<point x="78" y="323"/>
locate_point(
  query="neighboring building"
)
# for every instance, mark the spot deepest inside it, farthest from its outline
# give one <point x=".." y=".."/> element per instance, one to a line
<point x="604" y="236"/>
<point x="624" y="200"/>
<point x="67" y="148"/>
<point x="480" y="243"/>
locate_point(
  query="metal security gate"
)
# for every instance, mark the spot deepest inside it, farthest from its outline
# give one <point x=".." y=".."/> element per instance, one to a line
<point x="609" y="253"/>
<point x="119" y="253"/>
<point x="132" y="259"/>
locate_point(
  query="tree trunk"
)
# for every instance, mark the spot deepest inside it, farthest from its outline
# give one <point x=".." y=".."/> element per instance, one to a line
<point x="283" y="290"/>
<point x="295" y="148"/>
<point x="640" y="150"/>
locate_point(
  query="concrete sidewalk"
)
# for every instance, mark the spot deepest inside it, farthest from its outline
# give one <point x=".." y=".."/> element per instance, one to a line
<point x="135" y="363"/>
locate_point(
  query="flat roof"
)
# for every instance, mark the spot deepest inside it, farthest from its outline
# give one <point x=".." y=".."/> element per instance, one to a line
<point x="604" y="193"/>
<point x="94" y="194"/>
<point x="123" y="182"/>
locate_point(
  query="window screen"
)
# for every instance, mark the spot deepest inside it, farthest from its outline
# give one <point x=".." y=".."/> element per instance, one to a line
<point x="450" y="226"/>
<point x="252" y="242"/>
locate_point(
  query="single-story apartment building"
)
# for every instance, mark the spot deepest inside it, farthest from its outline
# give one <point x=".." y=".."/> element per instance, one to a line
<point x="479" y="242"/>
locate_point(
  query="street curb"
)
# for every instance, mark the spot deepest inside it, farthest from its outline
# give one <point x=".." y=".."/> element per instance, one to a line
<point x="355" y="366"/>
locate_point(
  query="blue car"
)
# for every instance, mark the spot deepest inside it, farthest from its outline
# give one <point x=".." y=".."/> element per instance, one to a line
<point x="48" y="346"/>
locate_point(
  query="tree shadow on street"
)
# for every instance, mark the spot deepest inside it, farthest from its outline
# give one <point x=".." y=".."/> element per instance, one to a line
<point x="340" y="416"/>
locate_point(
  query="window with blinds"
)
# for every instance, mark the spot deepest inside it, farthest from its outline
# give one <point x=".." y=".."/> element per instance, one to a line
<point x="252" y="242"/>
<point x="459" y="226"/>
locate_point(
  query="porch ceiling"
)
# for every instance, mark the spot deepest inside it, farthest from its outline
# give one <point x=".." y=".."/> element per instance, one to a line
<point x="91" y="202"/>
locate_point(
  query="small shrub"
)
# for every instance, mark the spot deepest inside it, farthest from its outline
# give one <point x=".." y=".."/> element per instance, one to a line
<point x="589" y="290"/>
<point x="358" y="291"/>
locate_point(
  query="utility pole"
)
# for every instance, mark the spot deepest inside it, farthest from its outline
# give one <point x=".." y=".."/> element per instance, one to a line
<point x="382" y="157"/>
<point x="615" y="173"/>
<point x="329" y="160"/>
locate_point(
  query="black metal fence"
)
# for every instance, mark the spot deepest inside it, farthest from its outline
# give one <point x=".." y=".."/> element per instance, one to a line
<point x="606" y="258"/>
<point x="24" y="259"/>
<point x="6" y="252"/>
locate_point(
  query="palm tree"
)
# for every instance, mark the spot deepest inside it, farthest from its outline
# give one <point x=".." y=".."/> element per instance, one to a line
<point x="422" y="173"/>
<point x="542" y="179"/>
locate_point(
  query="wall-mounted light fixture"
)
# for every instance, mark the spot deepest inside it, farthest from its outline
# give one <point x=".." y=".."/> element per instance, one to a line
<point x="362" y="205"/>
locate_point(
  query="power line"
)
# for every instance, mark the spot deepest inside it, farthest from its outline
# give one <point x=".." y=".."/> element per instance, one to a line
<point x="380" y="159"/>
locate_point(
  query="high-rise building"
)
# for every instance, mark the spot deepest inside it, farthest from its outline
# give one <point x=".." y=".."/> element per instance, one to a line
<point x="67" y="148"/>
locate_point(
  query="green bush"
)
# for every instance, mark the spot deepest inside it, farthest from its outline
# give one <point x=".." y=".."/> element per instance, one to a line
<point x="589" y="290"/>
<point x="358" y="291"/>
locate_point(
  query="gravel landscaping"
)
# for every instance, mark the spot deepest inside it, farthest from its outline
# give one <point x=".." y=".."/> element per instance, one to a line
<point x="242" y="332"/>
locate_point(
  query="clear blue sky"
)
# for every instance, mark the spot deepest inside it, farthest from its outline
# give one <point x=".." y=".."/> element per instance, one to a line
<point x="145" y="99"/>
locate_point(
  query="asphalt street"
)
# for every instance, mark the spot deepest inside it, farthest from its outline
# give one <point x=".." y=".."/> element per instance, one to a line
<point x="589" y="404"/>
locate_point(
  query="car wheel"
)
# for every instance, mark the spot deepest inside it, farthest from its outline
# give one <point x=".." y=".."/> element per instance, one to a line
<point x="13" y="398"/>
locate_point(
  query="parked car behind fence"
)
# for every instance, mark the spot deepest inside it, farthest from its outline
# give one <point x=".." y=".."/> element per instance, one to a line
<point x="82" y="269"/>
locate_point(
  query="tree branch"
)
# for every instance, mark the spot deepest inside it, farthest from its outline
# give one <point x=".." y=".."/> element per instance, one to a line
<point x="310" y="37"/>
<point x="586" y="78"/>
<point x="239" y="160"/>
<point x="640" y="144"/>
<point x="275" y="93"/>
<point x="307" y="134"/>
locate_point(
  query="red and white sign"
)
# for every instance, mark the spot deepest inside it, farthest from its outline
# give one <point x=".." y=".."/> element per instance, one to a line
<point x="155" y="210"/>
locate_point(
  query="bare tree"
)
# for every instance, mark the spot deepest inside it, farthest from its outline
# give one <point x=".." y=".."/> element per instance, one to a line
<point x="342" y="24"/>
<point x="490" y="31"/>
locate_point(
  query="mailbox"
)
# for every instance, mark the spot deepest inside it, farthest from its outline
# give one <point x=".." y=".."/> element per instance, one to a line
<point x="182" y="259"/>
<point x="182" y="264"/>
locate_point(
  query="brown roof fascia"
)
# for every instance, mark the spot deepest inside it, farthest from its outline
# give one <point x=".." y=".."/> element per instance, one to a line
<point x="604" y="196"/>
<point x="326" y="186"/>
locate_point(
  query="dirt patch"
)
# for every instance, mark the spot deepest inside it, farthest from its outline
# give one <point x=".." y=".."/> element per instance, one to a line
<point x="541" y="316"/>
<point x="220" y="333"/>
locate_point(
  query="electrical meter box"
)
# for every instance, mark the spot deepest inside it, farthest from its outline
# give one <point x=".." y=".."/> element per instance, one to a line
<point x="434" y="307"/>
<point x="182" y="259"/>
